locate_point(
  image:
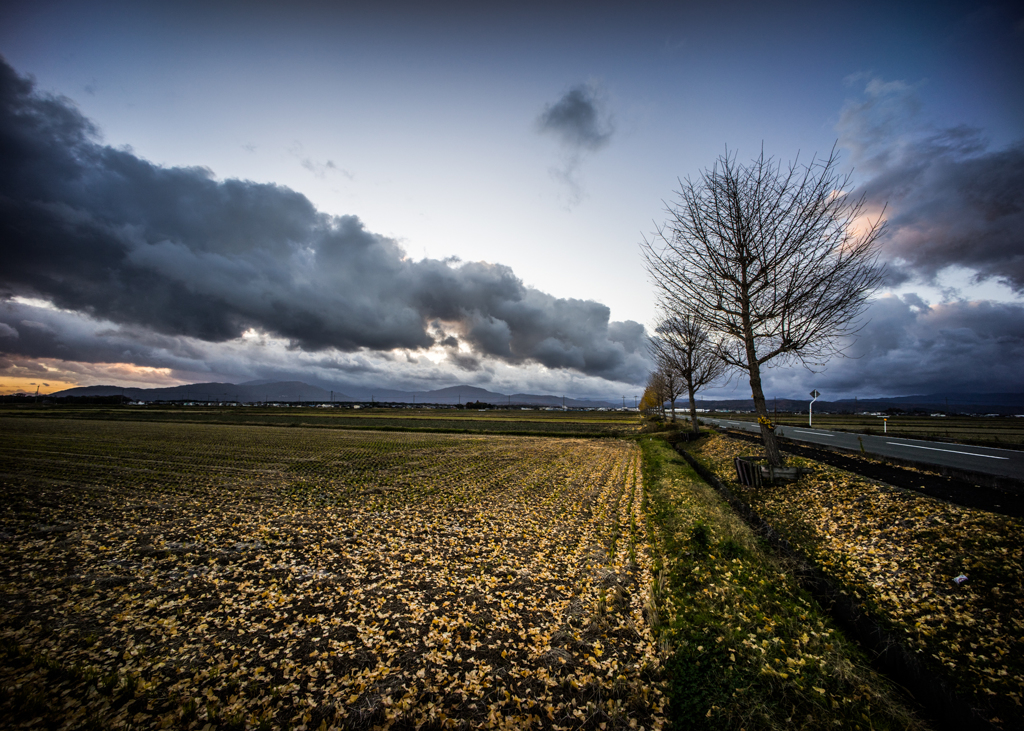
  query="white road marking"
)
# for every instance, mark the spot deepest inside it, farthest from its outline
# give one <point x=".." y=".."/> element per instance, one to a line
<point x="817" y="433"/>
<point x="953" y="451"/>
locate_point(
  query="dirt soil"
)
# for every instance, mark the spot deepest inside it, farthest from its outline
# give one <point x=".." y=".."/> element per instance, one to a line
<point x="959" y="492"/>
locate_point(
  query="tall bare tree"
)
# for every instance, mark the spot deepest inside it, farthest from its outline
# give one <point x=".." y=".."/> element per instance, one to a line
<point x="681" y="341"/>
<point x="774" y="262"/>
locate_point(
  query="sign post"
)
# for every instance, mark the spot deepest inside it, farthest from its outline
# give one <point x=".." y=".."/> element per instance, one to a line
<point x="810" y="407"/>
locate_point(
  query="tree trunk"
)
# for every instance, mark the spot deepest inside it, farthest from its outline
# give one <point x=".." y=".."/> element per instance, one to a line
<point x="693" y="412"/>
<point x="771" y="442"/>
<point x="673" y="408"/>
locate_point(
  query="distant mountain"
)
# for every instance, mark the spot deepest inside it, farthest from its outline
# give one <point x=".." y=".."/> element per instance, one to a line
<point x="969" y="403"/>
<point x="299" y="392"/>
<point x="284" y="391"/>
<point x="453" y="395"/>
<point x="296" y="392"/>
<point x="954" y="399"/>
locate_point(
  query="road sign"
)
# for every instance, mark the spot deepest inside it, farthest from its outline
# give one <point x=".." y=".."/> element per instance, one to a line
<point x="815" y="394"/>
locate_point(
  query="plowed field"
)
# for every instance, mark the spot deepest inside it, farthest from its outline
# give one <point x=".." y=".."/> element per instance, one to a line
<point x="179" y="575"/>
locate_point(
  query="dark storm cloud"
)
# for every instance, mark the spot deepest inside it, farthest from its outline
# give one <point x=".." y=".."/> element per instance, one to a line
<point x="577" y="120"/>
<point x="951" y="200"/>
<point x="909" y="347"/>
<point x="175" y="253"/>
<point x="46" y="333"/>
<point x="580" y="124"/>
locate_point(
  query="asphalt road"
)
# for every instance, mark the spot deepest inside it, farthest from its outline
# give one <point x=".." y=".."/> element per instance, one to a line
<point x="988" y="460"/>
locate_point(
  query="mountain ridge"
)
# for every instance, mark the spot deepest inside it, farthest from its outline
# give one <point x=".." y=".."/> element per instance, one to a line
<point x="263" y="391"/>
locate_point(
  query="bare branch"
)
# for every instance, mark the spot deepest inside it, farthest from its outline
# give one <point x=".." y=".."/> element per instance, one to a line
<point x="774" y="263"/>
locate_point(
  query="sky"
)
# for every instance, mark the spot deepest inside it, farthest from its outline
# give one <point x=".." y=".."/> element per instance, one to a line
<point x="413" y="195"/>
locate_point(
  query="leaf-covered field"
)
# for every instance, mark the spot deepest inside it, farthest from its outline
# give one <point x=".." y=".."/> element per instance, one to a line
<point x="497" y="421"/>
<point x="179" y="575"/>
<point x="899" y="553"/>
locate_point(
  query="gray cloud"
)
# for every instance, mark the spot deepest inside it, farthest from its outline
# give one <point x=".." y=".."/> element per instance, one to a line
<point x="581" y="125"/>
<point x="172" y="253"/>
<point x="910" y="347"/>
<point x="110" y="353"/>
<point x="577" y="120"/>
<point x="951" y="200"/>
<point x="48" y="333"/>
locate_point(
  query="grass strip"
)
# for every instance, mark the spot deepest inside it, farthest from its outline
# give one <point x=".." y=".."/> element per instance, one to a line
<point x="897" y="554"/>
<point x="746" y="646"/>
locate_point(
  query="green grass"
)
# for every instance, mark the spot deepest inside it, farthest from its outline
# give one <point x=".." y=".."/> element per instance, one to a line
<point x="748" y="648"/>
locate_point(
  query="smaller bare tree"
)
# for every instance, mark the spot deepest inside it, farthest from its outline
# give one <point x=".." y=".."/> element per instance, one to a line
<point x="668" y="371"/>
<point x="693" y="355"/>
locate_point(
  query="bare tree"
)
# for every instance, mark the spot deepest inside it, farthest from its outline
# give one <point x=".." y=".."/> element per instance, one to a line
<point x="774" y="263"/>
<point x="671" y="378"/>
<point x="693" y="356"/>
